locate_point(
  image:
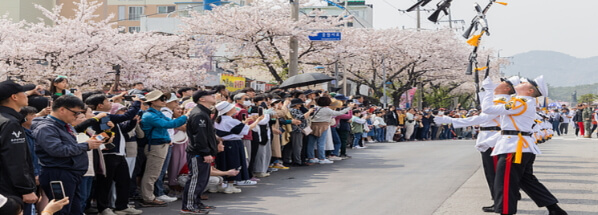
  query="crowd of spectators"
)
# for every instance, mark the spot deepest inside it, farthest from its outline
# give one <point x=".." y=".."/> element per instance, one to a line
<point x="150" y="147"/>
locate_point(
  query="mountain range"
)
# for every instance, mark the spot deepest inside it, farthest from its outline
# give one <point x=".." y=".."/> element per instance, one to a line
<point x="559" y="69"/>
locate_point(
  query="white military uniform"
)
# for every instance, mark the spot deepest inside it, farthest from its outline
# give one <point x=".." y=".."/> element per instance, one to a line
<point x="518" y="114"/>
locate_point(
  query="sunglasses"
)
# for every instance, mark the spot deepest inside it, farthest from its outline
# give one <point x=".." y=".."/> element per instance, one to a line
<point x="75" y="112"/>
<point x="163" y="98"/>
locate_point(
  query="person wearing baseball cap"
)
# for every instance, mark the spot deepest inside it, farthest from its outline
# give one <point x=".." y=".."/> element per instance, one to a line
<point x="16" y="170"/>
<point x="202" y="148"/>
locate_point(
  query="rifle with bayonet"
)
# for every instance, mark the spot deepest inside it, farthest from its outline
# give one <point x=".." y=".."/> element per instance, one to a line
<point x="418" y="4"/>
<point x="479" y="21"/>
<point x="442" y="6"/>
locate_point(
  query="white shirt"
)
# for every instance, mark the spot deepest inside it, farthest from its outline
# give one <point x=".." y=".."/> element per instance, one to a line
<point x="523" y="122"/>
<point x="234" y="129"/>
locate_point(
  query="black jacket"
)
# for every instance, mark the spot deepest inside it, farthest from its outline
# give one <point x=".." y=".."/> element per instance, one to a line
<point x="16" y="168"/>
<point x="391" y="118"/>
<point x="201" y="133"/>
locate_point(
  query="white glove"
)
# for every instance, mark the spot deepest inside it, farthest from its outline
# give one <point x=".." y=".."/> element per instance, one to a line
<point x="442" y="120"/>
<point x="488" y="85"/>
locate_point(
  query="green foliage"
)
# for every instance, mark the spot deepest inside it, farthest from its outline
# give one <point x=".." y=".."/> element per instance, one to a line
<point x="439" y="98"/>
<point x="588" y="98"/>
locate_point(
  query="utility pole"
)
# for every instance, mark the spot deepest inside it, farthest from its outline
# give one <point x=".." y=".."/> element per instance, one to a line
<point x="419" y="22"/>
<point x="294" y="43"/>
<point x="385" y="98"/>
<point x="344" y="71"/>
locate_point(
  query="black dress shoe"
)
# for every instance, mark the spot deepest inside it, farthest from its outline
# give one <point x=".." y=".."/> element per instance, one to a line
<point x="489" y="209"/>
<point x="557" y="212"/>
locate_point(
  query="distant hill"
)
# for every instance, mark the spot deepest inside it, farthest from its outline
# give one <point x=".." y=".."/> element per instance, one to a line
<point x="559" y="70"/>
<point x="564" y="93"/>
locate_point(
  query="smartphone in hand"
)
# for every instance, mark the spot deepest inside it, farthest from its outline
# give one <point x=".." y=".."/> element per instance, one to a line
<point x="57" y="190"/>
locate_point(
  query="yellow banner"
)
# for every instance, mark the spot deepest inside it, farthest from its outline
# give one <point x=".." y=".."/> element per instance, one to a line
<point x="232" y="83"/>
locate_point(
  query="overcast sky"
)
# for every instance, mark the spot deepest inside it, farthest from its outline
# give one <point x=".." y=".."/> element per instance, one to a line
<point x="524" y="25"/>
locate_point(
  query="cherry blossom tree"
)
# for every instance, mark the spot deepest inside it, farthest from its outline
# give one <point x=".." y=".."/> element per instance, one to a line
<point x="258" y="35"/>
<point x="85" y="49"/>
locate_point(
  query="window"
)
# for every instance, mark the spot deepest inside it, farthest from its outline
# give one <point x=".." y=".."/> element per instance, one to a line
<point x="166" y="9"/>
<point x="121" y="13"/>
<point x="135" y="13"/>
<point x="134" y="29"/>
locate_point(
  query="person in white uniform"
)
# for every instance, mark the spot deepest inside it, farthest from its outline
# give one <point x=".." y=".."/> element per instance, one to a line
<point x="516" y="149"/>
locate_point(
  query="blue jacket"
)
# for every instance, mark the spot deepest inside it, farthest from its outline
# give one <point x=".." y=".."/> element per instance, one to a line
<point x="56" y="147"/>
<point x="154" y="121"/>
<point x="31" y="141"/>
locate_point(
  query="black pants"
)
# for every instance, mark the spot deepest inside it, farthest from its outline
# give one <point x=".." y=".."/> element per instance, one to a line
<point x="488" y="162"/>
<point x="232" y="157"/>
<point x="117" y="171"/>
<point x="564" y="127"/>
<point x="70" y="182"/>
<point x="199" y="175"/>
<point x="344" y="135"/>
<point x="291" y="152"/>
<point x="511" y="176"/>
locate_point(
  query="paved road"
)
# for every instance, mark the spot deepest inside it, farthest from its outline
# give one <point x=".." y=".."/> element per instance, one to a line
<point x="385" y="178"/>
<point x="434" y="177"/>
<point x="568" y="167"/>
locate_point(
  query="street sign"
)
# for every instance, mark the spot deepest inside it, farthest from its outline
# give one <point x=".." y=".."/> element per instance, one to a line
<point x="326" y="36"/>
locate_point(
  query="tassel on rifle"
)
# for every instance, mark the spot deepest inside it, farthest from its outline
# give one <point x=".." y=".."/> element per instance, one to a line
<point x="475" y="40"/>
<point x="480" y="69"/>
<point x="503" y="3"/>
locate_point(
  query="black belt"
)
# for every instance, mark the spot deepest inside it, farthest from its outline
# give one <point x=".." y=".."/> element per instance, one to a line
<point x="495" y="128"/>
<point x="508" y="132"/>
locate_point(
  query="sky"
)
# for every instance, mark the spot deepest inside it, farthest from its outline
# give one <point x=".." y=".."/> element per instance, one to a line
<point x="524" y="25"/>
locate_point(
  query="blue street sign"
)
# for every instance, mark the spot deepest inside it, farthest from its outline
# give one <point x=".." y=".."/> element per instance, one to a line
<point x="326" y="36"/>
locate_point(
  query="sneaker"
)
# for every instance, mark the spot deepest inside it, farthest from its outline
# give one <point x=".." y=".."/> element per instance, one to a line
<point x="155" y="203"/>
<point x="272" y="170"/>
<point x="107" y="211"/>
<point x="280" y="166"/>
<point x="194" y="212"/>
<point x="345" y="157"/>
<point x="359" y="147"/>
<point x="255" y="179"/>
<point x="231" y="189"/>
<point x="325" y="161"/>
<point x="261" y="174"/>
<point x="202" y="206"/>
<point x="166" y="198"/>
<point x="245" y="183"/>
<point x="334" y="158"/>
<point x="128" y="211"/>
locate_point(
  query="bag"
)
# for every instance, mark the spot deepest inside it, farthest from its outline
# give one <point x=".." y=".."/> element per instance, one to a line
<point x="307" y="130"/>
<point x="366" y="128"/>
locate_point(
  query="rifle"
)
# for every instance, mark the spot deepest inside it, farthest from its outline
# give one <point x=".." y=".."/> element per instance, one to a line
<point x="480" y="19"/>
<point x="419" y="3"/>
<point x="487" y="67"/>
<point x="442" y="6"/>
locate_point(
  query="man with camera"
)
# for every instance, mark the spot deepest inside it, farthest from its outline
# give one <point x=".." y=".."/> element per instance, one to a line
<point x="61" y="157"/>
<point x="117" y="170"/>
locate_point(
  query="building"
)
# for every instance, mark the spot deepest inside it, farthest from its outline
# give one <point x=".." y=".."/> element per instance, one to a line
<point x="18" y="10"/>
<point x="363" y="13"/>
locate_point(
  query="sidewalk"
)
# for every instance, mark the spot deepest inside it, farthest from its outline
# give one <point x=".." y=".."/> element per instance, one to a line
<point x="568" y="167"/>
